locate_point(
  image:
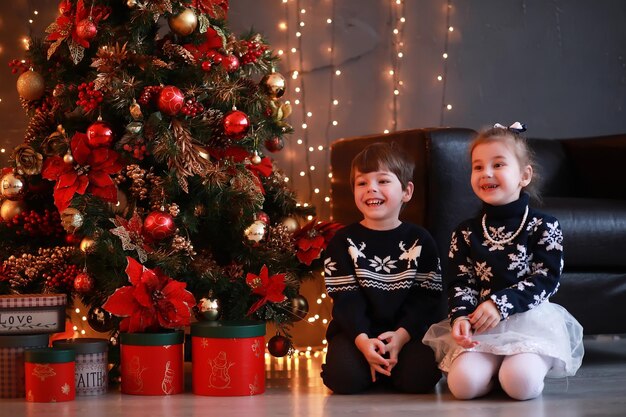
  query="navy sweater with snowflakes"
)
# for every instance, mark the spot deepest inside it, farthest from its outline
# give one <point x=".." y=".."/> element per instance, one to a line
<point x="383" y="280"/>
<point x="516" y="275"/>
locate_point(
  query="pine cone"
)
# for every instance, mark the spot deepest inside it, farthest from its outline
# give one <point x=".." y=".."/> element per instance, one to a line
<point x="40" y="125"/>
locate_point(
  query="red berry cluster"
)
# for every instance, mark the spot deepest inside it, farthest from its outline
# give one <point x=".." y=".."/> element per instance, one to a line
<point x="149" y="94"/>
<point x="255" y="50"/>
<point x="47" y="104"/>
<point x="88" y="97"/>
<point x="62" y="278"/>
<point x="34" y="224"/>
<point x="137" y="148"/>
<point x="17" y="66"/>
<point x="192" y="108"/>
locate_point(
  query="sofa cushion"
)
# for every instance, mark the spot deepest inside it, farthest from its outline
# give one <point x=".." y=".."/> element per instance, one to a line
<point x="594" y="231"/>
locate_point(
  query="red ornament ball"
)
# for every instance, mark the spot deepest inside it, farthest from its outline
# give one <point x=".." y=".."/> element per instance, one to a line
<point x="86" y="29"/>
<point x="236" y="124"/>
<point x="274" y="144"/>
<point x="99" y="135"/>
<point x="262" y="216"/>
<point x="170" y="100"/>
<point x="279" y="346"/>
<point x="159" y="225"/>
<point x="230" y="63"/>
<point x="83" y="283"/>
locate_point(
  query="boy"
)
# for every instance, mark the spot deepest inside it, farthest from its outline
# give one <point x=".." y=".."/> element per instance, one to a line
<point x="385" y="281"/>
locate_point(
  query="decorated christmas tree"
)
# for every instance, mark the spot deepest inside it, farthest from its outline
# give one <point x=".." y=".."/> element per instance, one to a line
<point x="144" y="185"/>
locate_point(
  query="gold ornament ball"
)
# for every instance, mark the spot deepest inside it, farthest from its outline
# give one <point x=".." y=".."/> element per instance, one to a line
<point x="68" y="158"/>
<point x="12" y="186"/>
<point x="291" y="224"/>
<point x="184" y="23"/>
<point x="131" y="3"/>
<point x="87" y="244"/>
<point x="71" y="219"/>
<point x="11" y="208"/>
<point x="274" y="85"/>
<point x="30" y="86"/>
<point x="256" y="159"/>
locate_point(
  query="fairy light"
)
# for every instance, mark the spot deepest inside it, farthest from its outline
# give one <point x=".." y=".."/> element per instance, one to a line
<point x="443" y="78"/>
<point x="397" y="19"/>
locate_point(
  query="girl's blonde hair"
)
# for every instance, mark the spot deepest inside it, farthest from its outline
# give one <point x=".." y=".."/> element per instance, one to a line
<point x="521" y="150"/>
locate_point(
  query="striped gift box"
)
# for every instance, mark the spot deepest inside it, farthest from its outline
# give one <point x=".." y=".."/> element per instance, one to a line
<point x="12" y="350"/>
<point x="32" y="313"/>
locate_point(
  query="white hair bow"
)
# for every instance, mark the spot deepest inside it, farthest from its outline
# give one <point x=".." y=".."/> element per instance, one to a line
<point x="516" y="127"/>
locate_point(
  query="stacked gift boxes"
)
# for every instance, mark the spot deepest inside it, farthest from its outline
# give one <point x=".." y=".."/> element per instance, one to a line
<point x="26" y="321"/>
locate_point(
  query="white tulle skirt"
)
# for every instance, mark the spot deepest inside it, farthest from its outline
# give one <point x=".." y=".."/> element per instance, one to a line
<point x="547" y="329"/>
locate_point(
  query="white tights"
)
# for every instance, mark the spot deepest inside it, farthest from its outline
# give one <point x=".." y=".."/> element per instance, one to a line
<point x="521" y="376"/>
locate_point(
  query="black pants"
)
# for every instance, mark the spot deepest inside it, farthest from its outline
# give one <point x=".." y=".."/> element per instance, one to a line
<point x="347" y="372"/>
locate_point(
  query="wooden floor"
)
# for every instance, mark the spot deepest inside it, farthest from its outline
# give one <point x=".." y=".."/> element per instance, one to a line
<point x="295" y="389"/>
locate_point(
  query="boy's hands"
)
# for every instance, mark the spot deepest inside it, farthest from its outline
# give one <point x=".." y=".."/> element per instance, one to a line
<point x="394" y="343"/>
<point x="373" y="349"/>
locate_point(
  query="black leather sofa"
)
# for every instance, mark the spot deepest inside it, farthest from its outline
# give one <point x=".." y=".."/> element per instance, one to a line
<point x="582" y="184"/>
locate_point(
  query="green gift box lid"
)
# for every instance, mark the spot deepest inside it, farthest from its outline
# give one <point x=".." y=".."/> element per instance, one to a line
<point x="228" y="329"/>
<point x="49" y="355"/>
<point x="153" y="339"/>
<point x="82" y="345"/>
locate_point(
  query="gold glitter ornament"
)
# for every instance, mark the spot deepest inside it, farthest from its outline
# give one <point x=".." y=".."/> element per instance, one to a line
<point x="184" y="23"/>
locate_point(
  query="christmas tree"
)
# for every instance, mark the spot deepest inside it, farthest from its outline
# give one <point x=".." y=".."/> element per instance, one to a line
<point x="143" y="185"/>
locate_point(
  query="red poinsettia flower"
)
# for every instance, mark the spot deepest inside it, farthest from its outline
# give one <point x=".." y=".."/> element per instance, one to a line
<point x="213" y="42"/>
<point x="66" y="24"/>
<point x="313" y="238"/>
<point x="270" y="288"/>
<point x="217" y="9"/>
<point x="153" y="301"/>
<point x="90" y="172"/>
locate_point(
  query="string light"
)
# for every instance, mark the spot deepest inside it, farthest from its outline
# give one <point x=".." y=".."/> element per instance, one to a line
<point x="443" y="78"/>
<point x="397" y="19"/>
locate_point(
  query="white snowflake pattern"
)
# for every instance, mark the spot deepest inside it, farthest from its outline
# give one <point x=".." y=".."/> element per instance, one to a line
<point x="386" y="264"/>
<point x="466" y="236"/>
<point x="459" y="308"/>
<point x="534" y="224"/>
<point x="329" y="266"/>
<point x="523" y="285"/>
<point x="497" y="233"/>
<point x="483" y="271"/>
<point x="520" y="261"/>
<point x="466" y="294"/>
<point x="453" y="246"/>
<point x="485" y="293"/>
<point x="503" y="305"/>
<point x="552" y="237"/>
<point x="540" y="298"/>
<point x="65" y="389"/>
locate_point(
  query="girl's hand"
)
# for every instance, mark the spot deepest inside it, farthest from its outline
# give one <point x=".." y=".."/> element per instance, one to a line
<point x="373" y="349"/>
<point x="395" y="341"/>
<point x="485" y="317"/>
<point x="462" y="333"/>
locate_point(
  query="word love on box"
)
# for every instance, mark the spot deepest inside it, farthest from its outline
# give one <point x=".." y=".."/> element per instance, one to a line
<point x="32" y="313"/>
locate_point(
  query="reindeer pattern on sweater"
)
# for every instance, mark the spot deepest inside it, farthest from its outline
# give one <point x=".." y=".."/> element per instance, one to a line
<point x="382" y="280"/>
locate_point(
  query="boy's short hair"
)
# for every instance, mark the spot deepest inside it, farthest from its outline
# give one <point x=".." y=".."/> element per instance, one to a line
<point x="383" y="155"/>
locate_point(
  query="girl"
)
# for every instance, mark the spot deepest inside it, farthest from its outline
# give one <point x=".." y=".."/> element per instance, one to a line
<point x="504" y="265"/>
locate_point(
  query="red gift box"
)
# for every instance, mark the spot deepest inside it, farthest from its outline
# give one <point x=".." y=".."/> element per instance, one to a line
<point x="49" y="375"/>
<point x="152" y="363"/>
<point x="12" y="350"/>
<point x="228" y="358"/>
